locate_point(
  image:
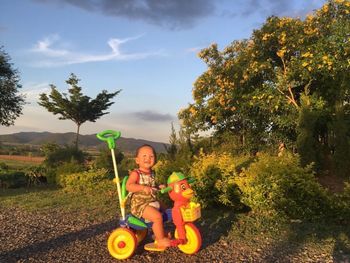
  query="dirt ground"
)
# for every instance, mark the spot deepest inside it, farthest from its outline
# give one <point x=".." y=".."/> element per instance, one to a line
<point x="58" y="236"/>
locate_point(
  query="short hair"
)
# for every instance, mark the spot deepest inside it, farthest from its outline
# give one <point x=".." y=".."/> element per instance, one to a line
<point x="146" y="145"/>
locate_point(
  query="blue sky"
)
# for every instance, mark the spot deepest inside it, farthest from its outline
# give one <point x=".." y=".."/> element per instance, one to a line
<point x="147" y="48"/>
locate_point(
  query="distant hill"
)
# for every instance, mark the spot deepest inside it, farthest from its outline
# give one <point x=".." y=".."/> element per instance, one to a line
<point x="128" y="145"/>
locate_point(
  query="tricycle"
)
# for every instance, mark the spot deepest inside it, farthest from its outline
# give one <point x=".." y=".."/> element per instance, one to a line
<point x="132" y="230"/>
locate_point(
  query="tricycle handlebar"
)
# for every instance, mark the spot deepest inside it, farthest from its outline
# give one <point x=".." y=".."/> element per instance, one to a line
<point x="109" y="136"/>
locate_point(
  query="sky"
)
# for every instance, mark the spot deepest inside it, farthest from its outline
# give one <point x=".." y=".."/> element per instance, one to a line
<point x="146" y="48"/>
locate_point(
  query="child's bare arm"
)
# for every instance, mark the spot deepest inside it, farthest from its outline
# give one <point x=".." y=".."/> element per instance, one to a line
<point x="133" y="186"/>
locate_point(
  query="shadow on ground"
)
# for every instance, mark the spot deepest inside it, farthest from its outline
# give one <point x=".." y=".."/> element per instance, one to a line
<point x="214" y="224"/>
<point x="56" y="243"/>
<point x="328" y="235"/>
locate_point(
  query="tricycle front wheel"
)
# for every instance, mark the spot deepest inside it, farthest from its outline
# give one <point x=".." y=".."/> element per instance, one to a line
<point x="122" y="243"/>
<point x="194" y="239"/>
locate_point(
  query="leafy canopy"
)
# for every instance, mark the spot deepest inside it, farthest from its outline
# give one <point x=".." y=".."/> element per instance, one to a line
<point x="76" y="107"/>
<point x="11" y="103"/>
<point x="256" y="88"/>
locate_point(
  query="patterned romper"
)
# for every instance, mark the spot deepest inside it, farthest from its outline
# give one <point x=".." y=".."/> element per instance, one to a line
<point x="140" y="200"/>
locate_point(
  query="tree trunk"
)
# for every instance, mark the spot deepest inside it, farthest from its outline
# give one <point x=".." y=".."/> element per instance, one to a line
<point x="77" y="137"/>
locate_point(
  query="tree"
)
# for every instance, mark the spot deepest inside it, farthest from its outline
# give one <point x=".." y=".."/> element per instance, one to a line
<point x="11" y="103"/>
<point x="77" y="107"/>
<point x="260" y="89"/>
<point x="173" y="147"/>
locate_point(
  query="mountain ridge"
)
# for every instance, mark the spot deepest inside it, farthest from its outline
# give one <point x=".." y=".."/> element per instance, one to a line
<point x="85" y="141"/>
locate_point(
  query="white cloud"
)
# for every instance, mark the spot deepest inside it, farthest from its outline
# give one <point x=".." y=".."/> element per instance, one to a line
<point x="31" y="90"/>
<point x="51" y="54"/>
<point x="194" y="49"/>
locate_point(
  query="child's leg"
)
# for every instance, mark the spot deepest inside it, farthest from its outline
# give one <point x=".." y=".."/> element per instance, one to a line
<point x="152" y="214"/>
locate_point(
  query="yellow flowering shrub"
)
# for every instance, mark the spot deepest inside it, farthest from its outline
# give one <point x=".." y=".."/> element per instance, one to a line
<point x="280" y="186"/>
<point x="215" y="179"/>
<point x="87" y="180"/>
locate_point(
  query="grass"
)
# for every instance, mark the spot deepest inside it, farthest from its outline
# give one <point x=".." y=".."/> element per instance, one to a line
<point x="97" y="205"/>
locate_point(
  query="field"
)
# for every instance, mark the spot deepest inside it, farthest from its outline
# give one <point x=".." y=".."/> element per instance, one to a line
<point x="21" y="158"/>
<point x="19" y="162"/>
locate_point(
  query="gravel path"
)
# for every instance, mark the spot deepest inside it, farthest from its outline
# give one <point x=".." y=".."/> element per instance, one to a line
<point x="67" y="237"/>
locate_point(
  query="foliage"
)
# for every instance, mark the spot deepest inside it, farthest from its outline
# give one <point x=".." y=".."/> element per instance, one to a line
<point x="78" y="107"/>
<point x="51" y="176"/>
<point x="254" y="89"/>
<point x="56" y="155"/>
<point x="104" y="159"/>
<point x="36" y="175"/>
<point x="341" y="143"/>
<point x="307" y="141"/>
<point x="341" y="203"/>
<point x="215" y="179"/>
<point x="3" y="166"/>
<point x="87" y="180"/>
<point x="69" y="168"/>
<point x="62" y="160"/>
<point x="12" y="179"/>
<point x="280" y="186"/>
<point x="179" y="156"/>
<point x="126" y="165"/>
<point x="11" y="103"/>
<point x="173" y="141"/>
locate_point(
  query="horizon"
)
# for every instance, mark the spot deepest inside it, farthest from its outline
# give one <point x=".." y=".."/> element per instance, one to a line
<point x="89" y="134"/>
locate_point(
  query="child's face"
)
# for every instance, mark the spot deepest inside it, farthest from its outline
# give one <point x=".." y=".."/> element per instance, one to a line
<point x="145" y="158"/>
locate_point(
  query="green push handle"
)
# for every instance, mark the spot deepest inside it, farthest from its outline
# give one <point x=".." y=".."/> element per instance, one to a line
<point x="165" y="190"/>
<point x="190" y="180"/>
<point x="110" y="137"/>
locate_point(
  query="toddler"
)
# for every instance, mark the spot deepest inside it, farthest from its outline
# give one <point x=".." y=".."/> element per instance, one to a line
<point x="141" y="183"/>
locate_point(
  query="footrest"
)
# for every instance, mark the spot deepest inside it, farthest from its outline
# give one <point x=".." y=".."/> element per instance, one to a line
<point x="153" y="247"/>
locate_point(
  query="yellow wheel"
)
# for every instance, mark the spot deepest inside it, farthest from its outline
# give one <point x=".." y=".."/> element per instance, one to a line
<point x="141" y="234"/>
<point x="194" y="239"/>
<point x="122" y="243"/>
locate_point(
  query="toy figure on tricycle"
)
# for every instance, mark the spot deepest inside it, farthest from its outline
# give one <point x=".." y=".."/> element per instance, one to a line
<point x="124" y="240"/>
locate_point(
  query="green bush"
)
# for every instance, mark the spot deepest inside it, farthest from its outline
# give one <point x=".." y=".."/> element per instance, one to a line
<point x="126" y="165"/>
<point x="53" y="174"/>
<point x="12" y="179"/>
<point x="341" y="203"/>
<point x="346" y="201"/>
<point x="36" y="175"/>
<point x="280" y="186"/>
<point x="87" y="180"/>
<point x="4" y="166"/>
<point x="215" y="179"/>
<point x="104" y="159"/>
<point x="166" y="166"/>
<point x="69" y="168"/>
<point x="57" y="155"/>
<point x="163" y="170"/>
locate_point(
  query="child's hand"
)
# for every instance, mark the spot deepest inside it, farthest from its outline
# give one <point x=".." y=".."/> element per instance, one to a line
<point x="161" y="186"/>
